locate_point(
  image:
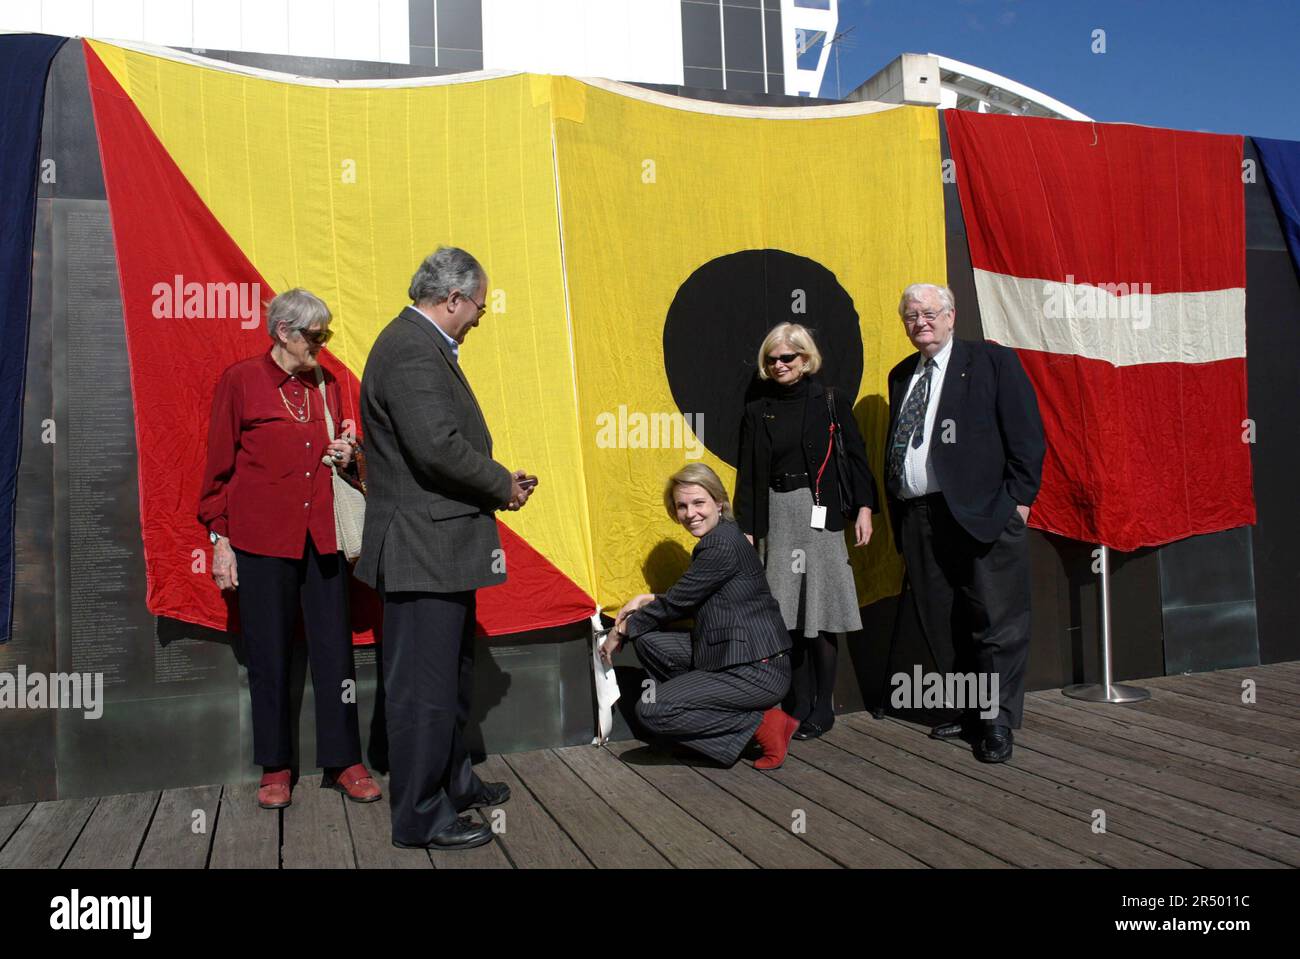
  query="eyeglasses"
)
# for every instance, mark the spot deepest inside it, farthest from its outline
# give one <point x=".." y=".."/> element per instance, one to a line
<point x="317" y="337"/>
<point x="482" y="307"/>
<point x="786" y="358"/>
<point x="929" y="316"/>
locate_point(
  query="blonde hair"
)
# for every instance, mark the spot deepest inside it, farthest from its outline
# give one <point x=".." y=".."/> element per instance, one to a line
<point x="798" y="337"/>
<point x="696" y="474"/>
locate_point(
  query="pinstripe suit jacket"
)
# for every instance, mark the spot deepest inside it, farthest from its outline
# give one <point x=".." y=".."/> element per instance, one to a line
<point x="737" y="620"/>
<point x="432" y="485"/>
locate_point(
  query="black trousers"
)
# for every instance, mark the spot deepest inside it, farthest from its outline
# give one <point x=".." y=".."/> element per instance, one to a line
<point x="973" y="598"/>
<point x="271" y="591"/>
<point x="428" y="685"/>
<point x="714" y="712"/>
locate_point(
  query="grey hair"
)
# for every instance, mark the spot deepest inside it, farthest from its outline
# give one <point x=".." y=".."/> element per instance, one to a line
<point x="297" y="309"/>
<point x="914" y="292"/>
<point x="445" y="269"/>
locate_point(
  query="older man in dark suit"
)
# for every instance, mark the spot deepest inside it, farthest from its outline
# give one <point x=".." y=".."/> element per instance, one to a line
<point x="430" y="541"/>
<point x="964" y="460"/>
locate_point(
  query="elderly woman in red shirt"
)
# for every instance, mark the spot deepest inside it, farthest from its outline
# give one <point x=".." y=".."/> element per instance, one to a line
<point x="268" y="505"/>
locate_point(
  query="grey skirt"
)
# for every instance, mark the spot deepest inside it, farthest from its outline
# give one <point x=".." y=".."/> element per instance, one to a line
<point x="808" y="569"/>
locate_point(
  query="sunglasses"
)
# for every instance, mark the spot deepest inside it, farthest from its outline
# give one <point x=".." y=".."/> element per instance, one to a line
<point x="317" y="337"/>
<point x="786" y="358"/>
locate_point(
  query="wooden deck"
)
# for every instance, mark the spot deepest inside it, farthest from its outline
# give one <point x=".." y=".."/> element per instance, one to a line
<point x="1193" y="778"/>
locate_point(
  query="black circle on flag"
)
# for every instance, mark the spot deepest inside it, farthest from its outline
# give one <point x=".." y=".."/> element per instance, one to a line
<point x="717" y="322"/>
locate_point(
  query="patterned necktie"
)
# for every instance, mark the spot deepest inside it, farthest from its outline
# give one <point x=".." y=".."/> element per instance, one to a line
<point x="910" y="427"/>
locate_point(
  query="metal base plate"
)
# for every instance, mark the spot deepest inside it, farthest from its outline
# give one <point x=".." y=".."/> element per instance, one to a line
<point x="1114" y="693"/>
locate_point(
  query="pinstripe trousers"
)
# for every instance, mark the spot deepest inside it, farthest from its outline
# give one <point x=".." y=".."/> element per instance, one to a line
<point x="713" y="712"/>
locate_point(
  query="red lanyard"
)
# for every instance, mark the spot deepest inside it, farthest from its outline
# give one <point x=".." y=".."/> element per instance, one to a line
<point x="817" y="489"/>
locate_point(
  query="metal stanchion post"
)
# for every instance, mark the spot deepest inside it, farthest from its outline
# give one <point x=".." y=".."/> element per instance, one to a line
<point x="1106" y="691"/>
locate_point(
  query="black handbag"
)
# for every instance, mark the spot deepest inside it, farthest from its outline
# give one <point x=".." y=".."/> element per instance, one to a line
<point x="841" y="459"/>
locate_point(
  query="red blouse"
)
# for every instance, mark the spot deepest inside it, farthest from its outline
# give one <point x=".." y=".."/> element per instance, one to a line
<point x="265" y="486"/>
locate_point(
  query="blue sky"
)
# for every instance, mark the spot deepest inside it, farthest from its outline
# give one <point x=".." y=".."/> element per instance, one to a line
<point x="1227" y="66"/>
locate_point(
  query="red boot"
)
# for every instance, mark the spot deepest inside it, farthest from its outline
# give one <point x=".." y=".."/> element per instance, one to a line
<point x="773" y="736"/>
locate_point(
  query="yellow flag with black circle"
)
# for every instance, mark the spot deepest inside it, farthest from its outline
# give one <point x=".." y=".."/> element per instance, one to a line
<point x="690" y="230"/>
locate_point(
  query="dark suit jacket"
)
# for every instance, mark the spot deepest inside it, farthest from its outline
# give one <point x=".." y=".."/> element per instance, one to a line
<point x="755" y="460"/>
<point x="737" y="620"/>
<point x="995" y="460"/>
<point x="433" y="486"/>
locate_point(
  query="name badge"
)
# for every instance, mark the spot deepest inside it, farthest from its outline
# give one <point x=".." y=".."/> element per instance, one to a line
<point x="819" y="517"/>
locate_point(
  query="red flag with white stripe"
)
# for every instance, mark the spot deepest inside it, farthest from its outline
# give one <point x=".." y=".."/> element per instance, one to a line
<point x="1112" y="258"/>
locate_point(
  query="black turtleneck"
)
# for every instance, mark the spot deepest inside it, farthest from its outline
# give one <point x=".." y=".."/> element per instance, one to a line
<point x="786" y="427"/>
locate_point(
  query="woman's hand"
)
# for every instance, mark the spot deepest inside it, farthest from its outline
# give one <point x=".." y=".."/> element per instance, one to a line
<point x="750" y="537"/>
<point x="339" y="452"/>
<point x="613" y="642"/>
<point x="631" y="606"/>
<point x="862" y="526"/>
<point x="224" y="569"/>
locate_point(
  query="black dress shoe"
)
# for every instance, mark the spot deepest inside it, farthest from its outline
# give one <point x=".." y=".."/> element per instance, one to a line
<point x="464" y="833"/>
<point x="811" y="729"/>
<point x="492" y="794"/>
<point x="995" y="745"/>
<point x="952" y="730"/>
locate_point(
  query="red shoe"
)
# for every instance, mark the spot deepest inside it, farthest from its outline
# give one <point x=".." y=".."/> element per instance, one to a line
<point x="773" y="737"/>
<point x="274" y="792"/>
<point x="355" y="783"/>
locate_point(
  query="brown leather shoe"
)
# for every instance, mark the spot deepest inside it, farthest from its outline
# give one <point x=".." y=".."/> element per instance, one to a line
<point x="356" y="783"/>
<point x="274" y="791"/>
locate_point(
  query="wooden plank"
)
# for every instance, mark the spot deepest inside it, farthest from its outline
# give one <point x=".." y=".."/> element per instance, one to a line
<point x="11" y="817"/>
<point x="488" y="856"/>
<point x="1221" y="780"/>
<point x="314" y="829"/>
<point x="178" y="838"/>
<point x="1185" y="728"/>
<point x="1116" y="784"/>
<point x="46" y="834"/>
<point x="924" y="842"/>
<point x="1240" y="812"/>
<point x="679" y="837"/>
<point x="1103" y="722"/>
<point x="763" y="842"/>
<point x="1266" y="678"/>
<point x="604" y="837"/>
<point x="850" y="844"/>
<point x="532" y="839"/>
<point x="371" y="827"/>
<point x="1026" y="776"/>
<point x="246" y="836"/>
<point x="956" y="817"/>
<point x="1237" y="720"/>
<point x="114" y="833"/>
<point x="1021" y="812"/>
<point x="1227" y="691"/>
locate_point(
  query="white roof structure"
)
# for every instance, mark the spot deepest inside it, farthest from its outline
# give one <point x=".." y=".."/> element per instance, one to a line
<point x="928" y="79"/>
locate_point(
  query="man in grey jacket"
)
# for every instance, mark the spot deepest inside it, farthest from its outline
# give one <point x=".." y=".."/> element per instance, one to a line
<point x="430" y="541"/>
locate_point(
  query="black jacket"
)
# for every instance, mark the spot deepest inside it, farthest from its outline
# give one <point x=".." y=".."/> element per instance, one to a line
<point x="752" y="469"/>
<point x="995" y="459"/>
<point x="737" y="620"/>
<point x="432" y="486"/>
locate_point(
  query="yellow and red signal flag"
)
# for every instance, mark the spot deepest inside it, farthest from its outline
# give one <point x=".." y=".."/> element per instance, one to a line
<point x="218" y="176"/>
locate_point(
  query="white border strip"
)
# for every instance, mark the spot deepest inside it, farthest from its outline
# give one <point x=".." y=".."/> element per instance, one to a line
<point x="195" y="60"/>
<point x="824" y="112"/>
<point x="612" y="86"/>
<point x="1128" y="326"/>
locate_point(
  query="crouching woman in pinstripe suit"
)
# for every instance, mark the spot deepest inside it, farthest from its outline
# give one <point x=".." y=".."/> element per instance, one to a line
<point x="716" y="687"/>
